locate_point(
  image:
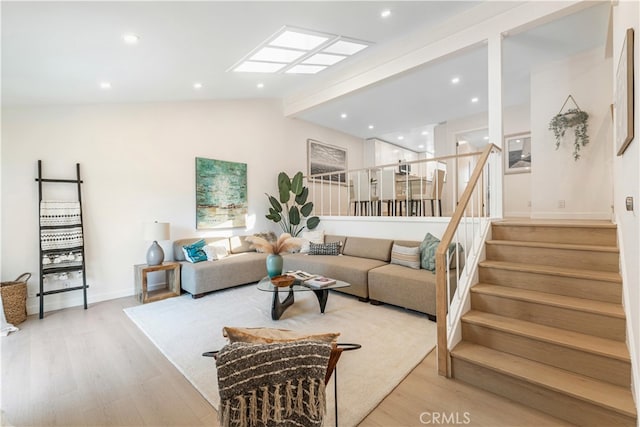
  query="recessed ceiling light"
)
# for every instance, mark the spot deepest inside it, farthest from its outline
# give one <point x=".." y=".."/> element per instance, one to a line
<point x="461" y="142"/>
<point x="385" y="13"/>
<point x="260" y="85"/>
<point x="343" y="115"/>
<point x="305" y="69"/>
<point x="396" y="151"/>
<point x="273" y="54"/>
<point x="343" y="47"/>
<point x="324" y="59"/>
<point x="421" y="146"/>
<point x="474" y="100"/>
<point x="130" y="38"/>
<point x="105" y="85"/>
<point x="517" y="140"/>
<point x="298" y="40"/>
<point x="455" y="80"/>
<point x="401" y="137"/>
<point x="259" y="67"/>
<point x="424" y="132"/>
<point x="486" y="138"/>
<point x="370" y="126"/>
<point x="197" y="85"/>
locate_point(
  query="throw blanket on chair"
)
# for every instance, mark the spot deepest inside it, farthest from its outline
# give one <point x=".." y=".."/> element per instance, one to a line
<point x="272" y="384"/>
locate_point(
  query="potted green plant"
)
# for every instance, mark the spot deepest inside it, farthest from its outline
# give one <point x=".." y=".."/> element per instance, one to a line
<point x="575" y="118"/>
<point x="292" y="210"/>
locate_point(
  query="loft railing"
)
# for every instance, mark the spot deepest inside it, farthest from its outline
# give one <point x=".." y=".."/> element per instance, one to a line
<point x="427" y="187"/>
<point x="458" y="253"/>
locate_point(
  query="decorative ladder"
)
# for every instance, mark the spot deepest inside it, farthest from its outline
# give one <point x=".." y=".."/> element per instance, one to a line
<point x="62" y="249"/>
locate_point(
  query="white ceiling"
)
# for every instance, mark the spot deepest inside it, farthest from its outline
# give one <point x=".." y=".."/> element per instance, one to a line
<point x="59" y="52"/>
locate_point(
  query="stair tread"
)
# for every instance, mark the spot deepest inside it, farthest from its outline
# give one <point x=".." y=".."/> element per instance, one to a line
<point x="548" y="245"/>
<point x="561" y="301"/>
<point x="554" y="223"/>
<point x="606" y="276"/>
<point x="618" y="399"/>
<point x="563" y="337"/>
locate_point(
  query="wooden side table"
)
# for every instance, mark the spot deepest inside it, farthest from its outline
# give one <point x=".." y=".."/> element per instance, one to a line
<point x="172" y="272"/>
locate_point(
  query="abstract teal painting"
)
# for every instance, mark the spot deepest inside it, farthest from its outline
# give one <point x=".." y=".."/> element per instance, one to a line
<point x="221" y="194"/>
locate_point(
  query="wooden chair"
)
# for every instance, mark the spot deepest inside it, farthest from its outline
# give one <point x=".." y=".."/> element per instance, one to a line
<point x="436" y="191"/>
<point x="360" y="193"/>
<point x="387" y="190"/>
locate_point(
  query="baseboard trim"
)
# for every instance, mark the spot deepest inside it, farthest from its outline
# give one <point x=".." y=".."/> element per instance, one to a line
<point x="572" y="215"/>
<point x="74" y="299"/>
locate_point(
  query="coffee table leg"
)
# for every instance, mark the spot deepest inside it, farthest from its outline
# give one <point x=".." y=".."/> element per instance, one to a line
<point x="278" y="307"/>
<point x="323" y="296"/>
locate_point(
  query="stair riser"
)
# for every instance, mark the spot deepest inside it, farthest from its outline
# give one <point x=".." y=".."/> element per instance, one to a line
<point x="588" y="260"/>
<point x="569" y="286"/>
<point x="571" y="235"/>
<point x="579" y="321"/>
<point x="600" y="367"/>
<point x="559" y="405"/>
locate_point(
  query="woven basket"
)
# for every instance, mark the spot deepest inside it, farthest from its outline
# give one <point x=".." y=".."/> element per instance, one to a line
<point x="14" y="299"/>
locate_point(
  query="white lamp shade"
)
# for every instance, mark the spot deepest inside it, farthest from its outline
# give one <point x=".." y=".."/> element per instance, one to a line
<point x="154" y="231"/>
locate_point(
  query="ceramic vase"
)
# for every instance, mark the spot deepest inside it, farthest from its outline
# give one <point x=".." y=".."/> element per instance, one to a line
<point x="274" y="265"/>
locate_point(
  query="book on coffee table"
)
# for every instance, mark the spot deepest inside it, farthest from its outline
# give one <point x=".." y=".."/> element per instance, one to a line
<point x="320" y="282"/>
<point x="300" y="275"/>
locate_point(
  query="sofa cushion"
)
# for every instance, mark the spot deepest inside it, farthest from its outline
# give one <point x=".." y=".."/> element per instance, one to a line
<point x="178" y="255"/>
<point x="324" y="248"/>
<point x="271" y="335"/>
<point x="329" y="238"/>
<point x="238" y="245"/>
<point x="363" y="247"/>
<point x="316" y="236"/>
<point x="428" y="249"/>
<point x="352" y="270"/>
<point x="194" y="252"/>
<point x="406" y="256"/>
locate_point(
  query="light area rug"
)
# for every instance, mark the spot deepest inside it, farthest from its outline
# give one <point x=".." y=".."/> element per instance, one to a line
<point x="393" y="340"/>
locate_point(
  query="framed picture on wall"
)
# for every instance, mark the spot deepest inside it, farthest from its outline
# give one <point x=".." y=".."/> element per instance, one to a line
<point x="517" y="153"/>
<point x="326" y="159"/>
<point x="623" y="107"/>
<point x="221" y="194"/>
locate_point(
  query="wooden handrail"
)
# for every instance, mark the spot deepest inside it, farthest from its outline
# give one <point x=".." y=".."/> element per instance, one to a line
<point x="442" y="302"/>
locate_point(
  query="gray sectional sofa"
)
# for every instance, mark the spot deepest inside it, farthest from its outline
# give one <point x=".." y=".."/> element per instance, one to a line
<point x="364" y="263"/>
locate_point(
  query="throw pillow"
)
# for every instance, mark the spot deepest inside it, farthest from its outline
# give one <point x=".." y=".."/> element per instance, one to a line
<point x="406" y="256"/>
<point x="194" y="252"/>
<point x="215" y="252"/>
<point x="270" y="335"/>
<point x="428" y="252"/>
<point x="316" y="236"/>
<point x="272" y="384"/>
<point x="324" y="248"/>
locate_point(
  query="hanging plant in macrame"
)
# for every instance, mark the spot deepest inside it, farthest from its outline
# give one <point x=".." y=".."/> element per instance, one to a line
<point x="574" y="118"/>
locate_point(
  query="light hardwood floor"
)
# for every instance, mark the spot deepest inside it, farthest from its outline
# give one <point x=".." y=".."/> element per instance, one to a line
<point x="96" y="368"/>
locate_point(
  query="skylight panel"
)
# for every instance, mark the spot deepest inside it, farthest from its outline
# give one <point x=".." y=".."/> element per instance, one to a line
<point x="272" y="54"/>
<point x="259" y="67"/>
<point x="344" y="47"/>
<point x="323" y="59"/>
<point x="298" y="40"/>
<point x="305" y="69"/>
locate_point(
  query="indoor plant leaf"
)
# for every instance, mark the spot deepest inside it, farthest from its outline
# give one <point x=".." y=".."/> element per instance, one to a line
<point x="301" y="198"/>
<point x="274" y="202"/>
<point x="313" y="222"/>
<point x="284" y="187"/>
<point x="306" y="209"/>
<point x="296" y="184"/>
<point x="294" y="216"/>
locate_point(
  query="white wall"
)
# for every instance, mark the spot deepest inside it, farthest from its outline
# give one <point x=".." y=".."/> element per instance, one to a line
<point x="138" y="165"/>
<point x="517" y="187"/>
<point x="626" y="182"/>
<point x="585" y="185"/>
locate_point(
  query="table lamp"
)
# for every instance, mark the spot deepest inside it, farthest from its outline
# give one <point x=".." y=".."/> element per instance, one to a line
<point x="156" y="231"/>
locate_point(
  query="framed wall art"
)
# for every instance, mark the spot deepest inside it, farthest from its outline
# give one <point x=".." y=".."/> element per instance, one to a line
<point x="221" y="194"/>
<point x="623" y="107"/>
<point x="324" y="158"/>
<point x="517" y="153"/>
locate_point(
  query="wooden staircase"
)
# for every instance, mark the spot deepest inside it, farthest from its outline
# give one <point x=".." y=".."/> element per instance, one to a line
<point x="546" y="326"/>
